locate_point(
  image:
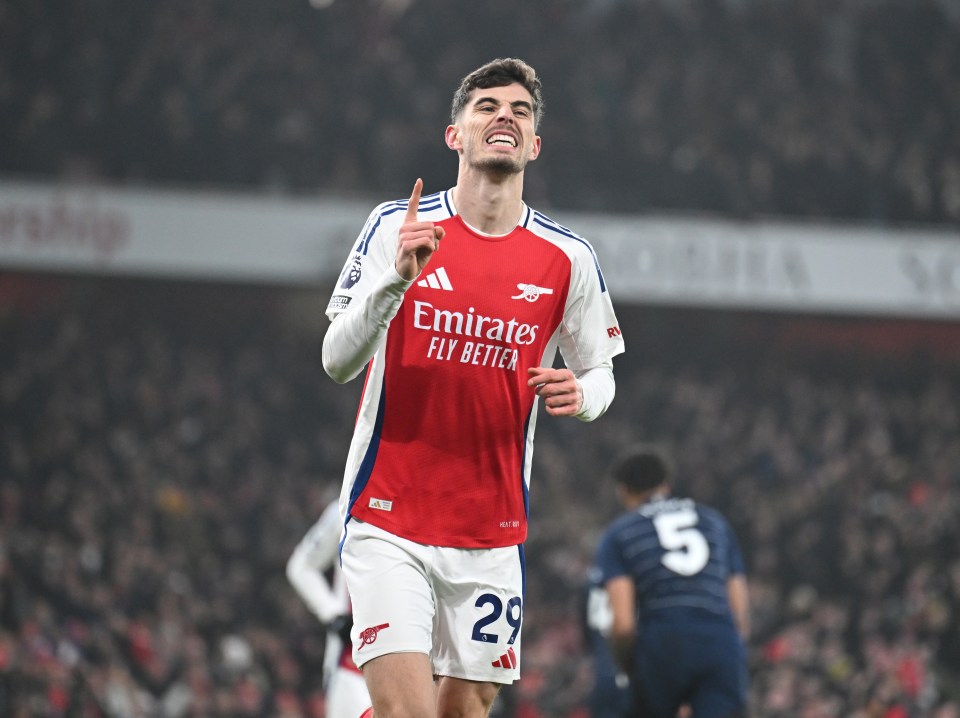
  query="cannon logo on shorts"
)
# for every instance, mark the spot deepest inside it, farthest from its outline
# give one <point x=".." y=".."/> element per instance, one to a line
<point x="369" y="635"/>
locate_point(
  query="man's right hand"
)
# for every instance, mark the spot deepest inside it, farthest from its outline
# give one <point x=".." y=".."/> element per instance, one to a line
<point x="418" y="240"/>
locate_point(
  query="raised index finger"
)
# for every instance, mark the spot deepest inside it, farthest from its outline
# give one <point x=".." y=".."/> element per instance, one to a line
<point x="414" y="201"/>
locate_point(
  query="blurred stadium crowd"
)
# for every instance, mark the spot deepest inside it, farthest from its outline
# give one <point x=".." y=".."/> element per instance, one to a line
<point x="164" y="446"/>
<point x="812" y="108"/>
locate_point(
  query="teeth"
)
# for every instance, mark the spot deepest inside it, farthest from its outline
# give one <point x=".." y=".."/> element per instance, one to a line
<point x="502" y="140"/>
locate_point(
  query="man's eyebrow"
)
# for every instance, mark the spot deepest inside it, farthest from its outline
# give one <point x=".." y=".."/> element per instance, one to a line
<point x="494" y="100"/>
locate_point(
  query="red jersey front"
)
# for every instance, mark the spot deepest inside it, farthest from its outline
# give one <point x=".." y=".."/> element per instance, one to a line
<point x="443" y="445"/>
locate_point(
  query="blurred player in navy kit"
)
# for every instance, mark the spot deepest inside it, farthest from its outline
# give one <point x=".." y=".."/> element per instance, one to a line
<point x="678" y="594"/>
<point x="610" y="696"/>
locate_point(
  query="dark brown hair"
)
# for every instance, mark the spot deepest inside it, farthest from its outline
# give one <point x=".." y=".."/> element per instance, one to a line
<point x="500" y="73"/>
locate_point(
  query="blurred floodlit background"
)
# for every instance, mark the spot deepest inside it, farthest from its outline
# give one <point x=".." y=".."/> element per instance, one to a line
<point x="773" y="189"/>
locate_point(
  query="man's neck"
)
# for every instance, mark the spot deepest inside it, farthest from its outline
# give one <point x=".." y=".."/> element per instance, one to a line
<point x="492" y="206"/>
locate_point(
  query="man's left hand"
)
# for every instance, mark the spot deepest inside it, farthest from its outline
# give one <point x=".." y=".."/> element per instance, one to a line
<point x="559" y="389"/>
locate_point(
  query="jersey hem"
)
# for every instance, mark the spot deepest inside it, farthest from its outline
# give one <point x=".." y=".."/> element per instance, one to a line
<point x="428" y="540"/>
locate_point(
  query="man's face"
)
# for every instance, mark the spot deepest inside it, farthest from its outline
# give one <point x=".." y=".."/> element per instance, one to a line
<point x="495" y="130"/>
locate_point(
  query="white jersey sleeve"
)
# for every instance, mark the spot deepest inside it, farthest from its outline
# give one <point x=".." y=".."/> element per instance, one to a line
<point x="597" y="389"/>
<point x="355" y="335"/>
<point x="373" y="254"/>
<point x="589" y="336"/>
<point x="367" y="296"/>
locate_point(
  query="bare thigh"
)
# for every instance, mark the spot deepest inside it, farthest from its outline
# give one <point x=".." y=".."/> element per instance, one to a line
<point x="401" y="686"/>
<point x="460" y="698"/>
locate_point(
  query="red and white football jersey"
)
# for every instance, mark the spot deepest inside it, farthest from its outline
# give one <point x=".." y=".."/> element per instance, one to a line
<point x="443" y="443"/>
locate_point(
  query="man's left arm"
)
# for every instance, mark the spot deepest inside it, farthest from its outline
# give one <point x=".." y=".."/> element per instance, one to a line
<point x="589" y="339"/>
<point x="585" y="394"/>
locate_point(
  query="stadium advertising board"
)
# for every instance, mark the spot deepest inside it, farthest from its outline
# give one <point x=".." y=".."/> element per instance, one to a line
<point x="701" y="262"/>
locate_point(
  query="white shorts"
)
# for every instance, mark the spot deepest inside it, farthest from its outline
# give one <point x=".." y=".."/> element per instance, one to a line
<point x="461" y="607"/>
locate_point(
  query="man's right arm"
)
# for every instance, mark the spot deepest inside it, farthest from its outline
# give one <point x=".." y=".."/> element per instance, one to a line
<point x="354" y="336"/>
<point x="622" y="602"/>
<point x="739" y="603"/>
<point x="737" y="591"/>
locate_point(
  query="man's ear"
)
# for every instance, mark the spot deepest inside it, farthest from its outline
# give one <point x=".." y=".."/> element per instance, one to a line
<point x="452" y="138"/>
<point x="535" y="150"/>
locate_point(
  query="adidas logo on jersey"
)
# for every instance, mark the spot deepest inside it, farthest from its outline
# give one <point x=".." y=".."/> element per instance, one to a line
<point x="507" y="660"/>
<point x="437" y="280"/>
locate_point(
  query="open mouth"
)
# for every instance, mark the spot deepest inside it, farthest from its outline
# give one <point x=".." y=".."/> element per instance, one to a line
<point x="501" y="139"/>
